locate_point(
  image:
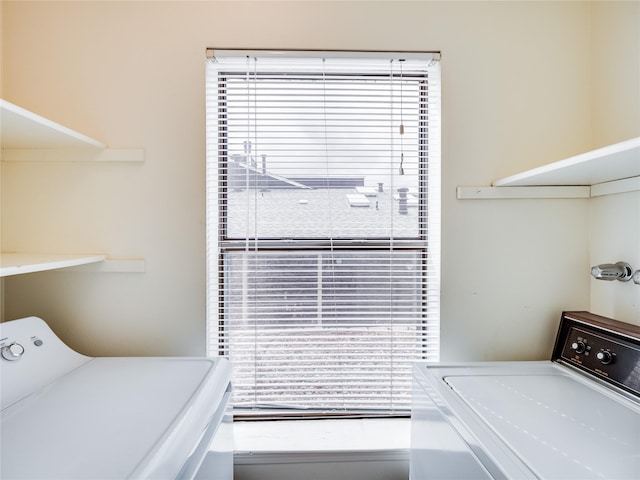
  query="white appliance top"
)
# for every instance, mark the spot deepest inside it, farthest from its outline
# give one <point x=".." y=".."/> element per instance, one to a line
<point x="558" y="426"/>
<point x="540" y="420"/>
<point x="109" y="418"/>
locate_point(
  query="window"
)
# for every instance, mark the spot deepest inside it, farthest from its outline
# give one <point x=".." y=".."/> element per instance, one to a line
<point x="323" y="226"/>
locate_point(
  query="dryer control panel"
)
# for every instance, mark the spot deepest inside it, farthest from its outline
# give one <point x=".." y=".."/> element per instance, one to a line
<point x="31" y="356"/>
<point x="602" y="347"/>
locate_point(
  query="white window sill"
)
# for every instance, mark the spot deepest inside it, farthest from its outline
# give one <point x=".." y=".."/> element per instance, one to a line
<point x="322" y="436"/>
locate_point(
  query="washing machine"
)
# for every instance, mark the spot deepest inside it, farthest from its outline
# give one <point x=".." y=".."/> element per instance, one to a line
<point x="69" y="416"/>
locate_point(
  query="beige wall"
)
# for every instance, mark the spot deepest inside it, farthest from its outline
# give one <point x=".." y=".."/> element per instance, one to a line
<point x="517" y="93"/>
<point x="615" y="71"/>
<point x="614" y="221"/>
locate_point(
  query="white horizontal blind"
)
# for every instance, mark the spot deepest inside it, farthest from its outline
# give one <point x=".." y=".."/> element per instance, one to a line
<point x="323" y="227"/>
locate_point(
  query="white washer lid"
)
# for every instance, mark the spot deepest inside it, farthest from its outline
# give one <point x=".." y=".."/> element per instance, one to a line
<point x="560" y="427"/>
<point x="113" y="418"/>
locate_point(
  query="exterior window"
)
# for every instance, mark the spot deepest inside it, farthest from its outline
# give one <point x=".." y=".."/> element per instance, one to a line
<point x="323" y="227"/>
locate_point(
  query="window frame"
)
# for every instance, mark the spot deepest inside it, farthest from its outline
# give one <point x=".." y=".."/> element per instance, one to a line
<point x="226" y="244"/>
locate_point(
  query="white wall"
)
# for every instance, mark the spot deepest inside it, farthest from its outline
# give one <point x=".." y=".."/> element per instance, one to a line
<point x="615" y="235"/>
<point x="517" y="93"/>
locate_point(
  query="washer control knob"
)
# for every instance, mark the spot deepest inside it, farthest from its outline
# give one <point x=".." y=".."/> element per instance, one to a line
<point x="12" y="352"/>
<point x="604" y="356"/>
<point x="579" y="347"/>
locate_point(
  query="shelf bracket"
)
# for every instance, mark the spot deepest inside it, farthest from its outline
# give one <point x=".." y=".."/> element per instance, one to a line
<point x="503" y="193"/>
<point x="72" y="155"/>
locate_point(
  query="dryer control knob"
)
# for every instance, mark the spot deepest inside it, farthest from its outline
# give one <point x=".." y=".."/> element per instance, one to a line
<point x="579" y="347"/>
<point x="604" y="356"/>
<point x="12" y="352"/>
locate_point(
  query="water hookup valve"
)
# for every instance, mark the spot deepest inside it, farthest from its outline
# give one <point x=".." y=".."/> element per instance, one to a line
<point x="615" y="271"/>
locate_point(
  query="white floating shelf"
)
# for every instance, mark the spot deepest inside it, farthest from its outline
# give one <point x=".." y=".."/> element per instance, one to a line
<point x="604" y="171"/>
<point x="26" y="136"/>
<point x="24" y="129"/>
<point x="18" y="263"/>
<point x="613" y="162"/>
